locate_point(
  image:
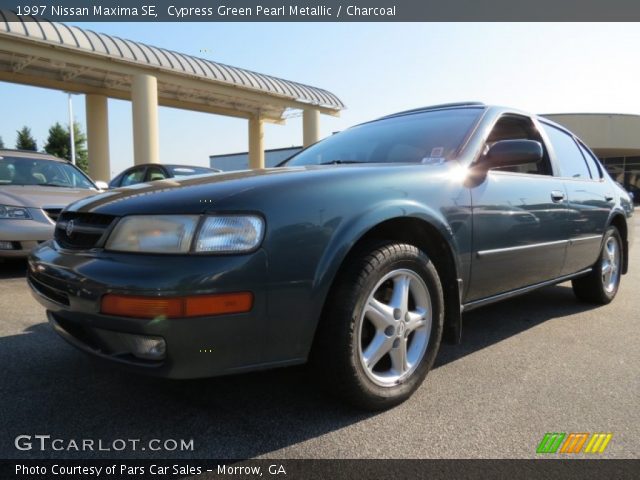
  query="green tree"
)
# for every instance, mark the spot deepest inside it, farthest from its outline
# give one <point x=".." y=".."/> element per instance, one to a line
<point x="1" y="143"/>
<point x="80" y="141"/>
<point x="25" y="140"/>
<point x="59" y="144"/>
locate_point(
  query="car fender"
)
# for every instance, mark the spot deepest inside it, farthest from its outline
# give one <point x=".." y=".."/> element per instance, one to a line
<point x="618" y="211"/>
<point x="350" y="232"/>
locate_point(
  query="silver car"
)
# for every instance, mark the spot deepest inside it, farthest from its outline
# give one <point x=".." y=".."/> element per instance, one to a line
<point x="34" y="188"/>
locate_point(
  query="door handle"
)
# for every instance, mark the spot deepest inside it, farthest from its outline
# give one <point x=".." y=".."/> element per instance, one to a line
<point x="557" y="196"/>
<point x="608" y="197"/>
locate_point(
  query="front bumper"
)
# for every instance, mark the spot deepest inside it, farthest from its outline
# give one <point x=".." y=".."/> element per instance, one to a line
<point x="19" y="249"/>
<point x="24" y="235"/>
<point x="70" y="286"/>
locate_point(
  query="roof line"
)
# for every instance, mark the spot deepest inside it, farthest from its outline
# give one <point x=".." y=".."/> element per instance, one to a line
<point x="591" y="113"/>
<point x="441" y="106"/>
<point x="268" y="150"/>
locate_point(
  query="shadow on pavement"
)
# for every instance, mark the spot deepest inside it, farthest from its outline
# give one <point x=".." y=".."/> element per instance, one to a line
<point x="489" y="325"/>
<point x="47" y="387"/>
<point x="13" y="268"/>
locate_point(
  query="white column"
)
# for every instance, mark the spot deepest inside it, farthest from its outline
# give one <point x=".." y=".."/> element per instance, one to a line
<point x="97" y="112"/>
<point x="310" y="127"/>
<point x="256" y="143"/>
<point x="144" y="99"/>
<point x="72" y="138"/>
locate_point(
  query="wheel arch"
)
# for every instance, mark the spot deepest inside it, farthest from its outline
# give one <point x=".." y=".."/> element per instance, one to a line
<point x="429" y="234"/>
<point x="619" y="221"/>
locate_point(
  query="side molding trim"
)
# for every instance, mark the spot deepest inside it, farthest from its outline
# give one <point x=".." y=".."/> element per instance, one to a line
<point x="486" y="253"/>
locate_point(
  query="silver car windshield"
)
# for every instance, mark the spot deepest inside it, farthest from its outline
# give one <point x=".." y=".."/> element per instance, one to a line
<point x="427" y="137"/>
<point x="31" y="171"/>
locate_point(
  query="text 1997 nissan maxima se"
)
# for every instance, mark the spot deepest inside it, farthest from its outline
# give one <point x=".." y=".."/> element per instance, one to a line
<point x="360" y="253"/>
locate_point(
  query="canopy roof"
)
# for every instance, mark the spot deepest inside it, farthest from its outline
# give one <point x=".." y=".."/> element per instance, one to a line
<point x="97" y="61"/>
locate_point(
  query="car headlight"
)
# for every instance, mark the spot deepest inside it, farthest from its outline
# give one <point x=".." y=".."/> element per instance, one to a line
<point x="230" y="233"/>
<point x="176" y="234"/>
<point x="153" y="234"/>
<point x="14" y="213"/>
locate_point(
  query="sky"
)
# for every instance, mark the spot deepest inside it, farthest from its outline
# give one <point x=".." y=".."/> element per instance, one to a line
<point x="375" y="69"/>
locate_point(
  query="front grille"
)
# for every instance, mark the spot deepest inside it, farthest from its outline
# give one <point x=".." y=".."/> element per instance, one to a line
<point x="86" y="231"/>
<point x="53" y="213"/>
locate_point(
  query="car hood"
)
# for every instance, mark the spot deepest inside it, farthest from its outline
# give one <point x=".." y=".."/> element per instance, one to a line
<point x="34" y="196"/>
<point x="206" y="193"/>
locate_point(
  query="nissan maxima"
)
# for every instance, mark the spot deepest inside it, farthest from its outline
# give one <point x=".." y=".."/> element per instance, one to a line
<point x="359" y="254"/>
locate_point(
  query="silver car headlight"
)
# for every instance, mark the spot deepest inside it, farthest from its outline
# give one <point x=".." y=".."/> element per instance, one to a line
<point x="230" y="233"/>
<point x="153" y="234"/>
<point x="14" y="213"/>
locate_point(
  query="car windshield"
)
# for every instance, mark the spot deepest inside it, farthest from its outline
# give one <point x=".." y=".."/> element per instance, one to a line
<point x="31" y="171"/>
<point x="427" y="137"/>
<point x="184" y="171"/>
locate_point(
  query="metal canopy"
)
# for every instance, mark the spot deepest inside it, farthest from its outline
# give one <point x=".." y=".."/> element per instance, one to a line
<point x="101" y="63"/>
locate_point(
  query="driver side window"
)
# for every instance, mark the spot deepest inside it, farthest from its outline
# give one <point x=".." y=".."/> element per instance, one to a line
<point x="516" y="127"/>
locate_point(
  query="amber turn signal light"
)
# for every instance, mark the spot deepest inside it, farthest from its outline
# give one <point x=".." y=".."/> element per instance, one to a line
<point x="176" y="307"/>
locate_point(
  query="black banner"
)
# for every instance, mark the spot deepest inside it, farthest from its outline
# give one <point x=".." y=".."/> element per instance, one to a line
<point x="323" y="10"/>
<point x="318" y="469"/>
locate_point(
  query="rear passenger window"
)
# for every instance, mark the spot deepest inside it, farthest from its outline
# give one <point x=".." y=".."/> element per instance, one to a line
<point x="592" y="162"/>
<point x="571" y="162"/>
<point x="155" y="173"/>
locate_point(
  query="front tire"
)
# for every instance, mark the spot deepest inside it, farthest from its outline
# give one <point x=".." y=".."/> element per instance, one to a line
<point x="382" y="326"/>
<point x="601" y="285"/>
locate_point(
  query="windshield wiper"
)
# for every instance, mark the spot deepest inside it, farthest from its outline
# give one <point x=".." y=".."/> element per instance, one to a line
<point x="52" y="185"/>
<point x="339" y="162"/>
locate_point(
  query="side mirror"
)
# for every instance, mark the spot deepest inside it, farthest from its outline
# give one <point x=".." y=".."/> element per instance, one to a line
<point x="511" y="153"/>
<point x="102" y="185"/>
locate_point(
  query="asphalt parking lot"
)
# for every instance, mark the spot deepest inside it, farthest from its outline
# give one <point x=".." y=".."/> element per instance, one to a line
<point x="535" y="364"/>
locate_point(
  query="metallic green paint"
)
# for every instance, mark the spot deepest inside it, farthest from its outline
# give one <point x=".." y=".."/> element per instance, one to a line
<point x="504" y="230"/>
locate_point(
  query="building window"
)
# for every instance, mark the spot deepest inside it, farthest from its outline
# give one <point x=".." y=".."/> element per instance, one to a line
<point x="626" y="171"/>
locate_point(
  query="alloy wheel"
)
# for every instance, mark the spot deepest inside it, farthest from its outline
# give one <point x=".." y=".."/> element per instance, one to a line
<point x="394" y="327"/>
<point x="610" y="265"/>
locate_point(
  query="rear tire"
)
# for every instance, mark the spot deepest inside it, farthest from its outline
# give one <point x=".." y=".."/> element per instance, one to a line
<point x="381" y="326"/>
<point x="601" y="285"/>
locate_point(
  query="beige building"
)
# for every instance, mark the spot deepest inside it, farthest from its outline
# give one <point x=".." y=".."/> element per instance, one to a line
<point x="614" y="138"/>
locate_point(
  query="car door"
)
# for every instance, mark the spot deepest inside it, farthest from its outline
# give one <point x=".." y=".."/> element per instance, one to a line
<point x="519" y="219"/>
<point x="589" y="198"/>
